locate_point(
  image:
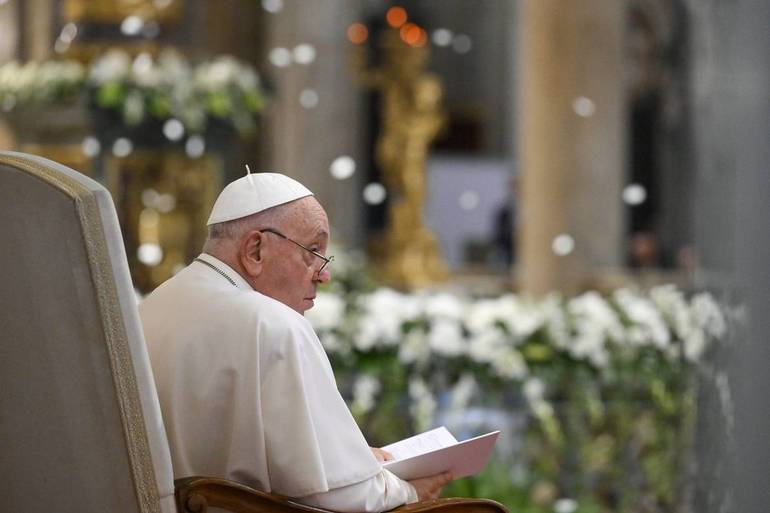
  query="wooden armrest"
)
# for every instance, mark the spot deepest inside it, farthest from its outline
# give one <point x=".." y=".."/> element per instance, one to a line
<point x="197" y="494"/>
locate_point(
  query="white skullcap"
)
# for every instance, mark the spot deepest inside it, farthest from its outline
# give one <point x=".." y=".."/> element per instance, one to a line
<point x="254" y="193"/>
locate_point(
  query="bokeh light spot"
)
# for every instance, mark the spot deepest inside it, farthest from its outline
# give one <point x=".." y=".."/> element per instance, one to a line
<point x="374" y="193"/>
<point x="122" y="147"/>
<point x="584" y="107"/>
<point x="563" y="244"/>
<point x="442" y="37"/>
<point x="173" y="129"/>
<point x="308" y="98"/>
<point x="280" y="57"/>
<point x="396" y="16"/>
<point x="90" y="146"/>
<point x="358" y="33"/>
<point x="634" y="194"/>
<point x="343" y="167"/>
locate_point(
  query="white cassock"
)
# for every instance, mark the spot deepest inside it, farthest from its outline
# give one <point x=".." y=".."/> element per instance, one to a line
<point x="247" y="393"/>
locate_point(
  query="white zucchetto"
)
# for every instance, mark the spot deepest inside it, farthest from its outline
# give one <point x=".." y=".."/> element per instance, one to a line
<point x="254" y="193"/>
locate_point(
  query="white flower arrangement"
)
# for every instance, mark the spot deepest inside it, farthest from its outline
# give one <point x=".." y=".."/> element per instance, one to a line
<point x="591" y="378"/>
<point x="141" y="88"/>
<point x="511" y="339"/>
<point x="39" y="83"/>
<point x="170" y="87"/>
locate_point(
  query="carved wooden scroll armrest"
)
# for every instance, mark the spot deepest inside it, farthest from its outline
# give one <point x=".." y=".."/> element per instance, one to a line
<point x="197" y="494"/>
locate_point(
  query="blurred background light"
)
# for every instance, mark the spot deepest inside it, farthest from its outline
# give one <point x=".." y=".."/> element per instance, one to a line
<point x="634" y="194"/>
<point x="462" y="43"/>
<point x="304" y="53"/>
<point x="272" y="6"/>
<point x="195" y="146"/>
<point x="374" y="193"/>
<point x="563" y="244"/>
<point x="343" y="167"/>
<point x="584" y="107"/>
<point x="308" y="98"/>
<point x="131" y="25"/>
<point x="150" y="254"/>
<point x="122" y="147"/>
<point x="173" y="129"/>
<point x="280" y="57"/>
<point x="396" y="16"/>
<point x="90" y="146"/>
<point x="442" y="37"/>
<point x="358" y="33"/>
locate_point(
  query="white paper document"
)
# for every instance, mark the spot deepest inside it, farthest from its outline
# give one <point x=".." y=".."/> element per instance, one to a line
<point x="437" y="451"/>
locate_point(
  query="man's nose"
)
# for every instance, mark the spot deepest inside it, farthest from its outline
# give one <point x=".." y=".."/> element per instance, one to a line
<point x="324" y="276"/>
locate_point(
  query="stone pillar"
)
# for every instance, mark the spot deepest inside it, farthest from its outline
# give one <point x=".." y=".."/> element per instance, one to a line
<point x="303" y="142"/>
<point x="570" y="141"/>
<point x="38" y="29"/>
<point x="9" y="42"/>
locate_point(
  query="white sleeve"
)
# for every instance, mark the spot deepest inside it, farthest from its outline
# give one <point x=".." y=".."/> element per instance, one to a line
<point x="382" y="492"/>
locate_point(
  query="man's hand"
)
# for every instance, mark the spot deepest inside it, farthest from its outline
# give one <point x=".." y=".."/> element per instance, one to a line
<point x="430" y="487"/>
<point x="381" y="455"/>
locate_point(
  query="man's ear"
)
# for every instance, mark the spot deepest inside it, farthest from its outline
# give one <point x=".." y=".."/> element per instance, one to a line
<point x="251" y="253"/>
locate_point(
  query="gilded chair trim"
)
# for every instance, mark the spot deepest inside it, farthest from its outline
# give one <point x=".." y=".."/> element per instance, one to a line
<point x="124" y="378"/>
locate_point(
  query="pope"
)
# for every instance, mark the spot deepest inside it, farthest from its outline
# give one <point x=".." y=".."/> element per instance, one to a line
<point x="246" y="390"/>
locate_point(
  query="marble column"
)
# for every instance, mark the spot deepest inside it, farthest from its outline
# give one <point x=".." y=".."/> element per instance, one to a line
<point x="570" y="142"/>
<point x="38" y="29"/>
<point x="9" y="42"/>
<point x="304" y="140"/>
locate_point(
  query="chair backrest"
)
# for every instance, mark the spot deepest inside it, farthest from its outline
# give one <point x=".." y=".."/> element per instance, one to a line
<point x="80" y="421"/>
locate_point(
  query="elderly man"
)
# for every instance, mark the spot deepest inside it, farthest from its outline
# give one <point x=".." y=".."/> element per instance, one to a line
<point x="246" y="390"/>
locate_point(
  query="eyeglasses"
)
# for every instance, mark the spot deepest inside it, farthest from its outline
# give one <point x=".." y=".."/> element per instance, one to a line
<point x="316" y="253"/>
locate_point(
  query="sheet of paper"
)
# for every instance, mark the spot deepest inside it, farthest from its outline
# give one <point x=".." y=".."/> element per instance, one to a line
<point x="462" y="459"/>
<point x="422" y="443"/>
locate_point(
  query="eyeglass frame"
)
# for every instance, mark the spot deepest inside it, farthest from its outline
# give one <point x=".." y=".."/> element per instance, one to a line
<point x="326" y="260"/>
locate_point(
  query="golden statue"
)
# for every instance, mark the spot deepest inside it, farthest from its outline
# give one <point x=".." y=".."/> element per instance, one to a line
<point x="411" y="116"/>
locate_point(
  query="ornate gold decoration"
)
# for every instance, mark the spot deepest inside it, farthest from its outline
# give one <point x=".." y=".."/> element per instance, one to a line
<point x="163" y="199"/>
<point x="115" y="11"/>
<point x="411" y="117"/>
<point x="124" y="376"/>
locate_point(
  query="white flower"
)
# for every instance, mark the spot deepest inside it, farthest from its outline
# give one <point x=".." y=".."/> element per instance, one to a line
<point x="542" y="409"/>
<point x="648" y="324"/>
<point x="446" y="338"/>
<point x="328" y="311"/>
<point x="486" y="345"/>
<point x="556" y="323"/>
<point x="365" y="389"/>
<point x="383" y="313"/>
<point x="674" y="308"/>
<point x="414" y="348"/>
<point x="133" y="108"/>
<point x="534" y="390"/>
<point x="707" y="315"/>
<point x="462" y="393"/>
<point x="114" y="65"/>
<point x="565" y="506"/>
<point x="509" y="363"/>
<point x="595" y="323"/>
<point x="694" y="345"/>
<point x="443" y="306"/>
<point x="423" y="404"/>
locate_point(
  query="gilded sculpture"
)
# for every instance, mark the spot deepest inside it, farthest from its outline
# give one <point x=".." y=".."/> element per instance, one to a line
<point x="410" y="118"/>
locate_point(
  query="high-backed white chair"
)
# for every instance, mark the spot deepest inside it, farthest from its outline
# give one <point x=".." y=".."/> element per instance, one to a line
<point x="80" y="421"/>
